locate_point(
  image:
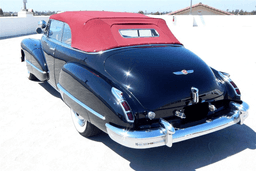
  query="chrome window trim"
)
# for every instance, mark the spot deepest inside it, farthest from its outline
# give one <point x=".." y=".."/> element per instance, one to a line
<point x="61" y="30"/>
<point x="60" y="42"/>
<point x="28" y="62"/>
<point x="138" y="33"/>
<point x="62" y="90"/>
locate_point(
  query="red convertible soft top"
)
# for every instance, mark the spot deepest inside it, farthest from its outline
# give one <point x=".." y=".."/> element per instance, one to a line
<point x="94" y="31"/>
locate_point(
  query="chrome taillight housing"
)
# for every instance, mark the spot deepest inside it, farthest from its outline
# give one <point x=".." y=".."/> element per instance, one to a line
<point x="227" y="79"/>
<point x="124" y="104"/>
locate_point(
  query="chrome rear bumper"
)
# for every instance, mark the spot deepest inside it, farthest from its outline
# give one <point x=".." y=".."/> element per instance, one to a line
<point x="167" y="135"/>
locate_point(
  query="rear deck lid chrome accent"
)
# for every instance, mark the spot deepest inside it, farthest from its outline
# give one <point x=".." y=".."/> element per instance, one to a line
<point x="195" y="96"/>
<point x="183" y="72"/>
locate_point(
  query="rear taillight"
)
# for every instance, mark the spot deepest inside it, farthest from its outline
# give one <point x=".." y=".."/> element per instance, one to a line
<point x="124" y="104"/>
<point x="130" y="116"/>
<point x="233" y="85"/>
<point x="235" y="88"/>
<point x="127" y="111"/>
<point x="238" y="91"/>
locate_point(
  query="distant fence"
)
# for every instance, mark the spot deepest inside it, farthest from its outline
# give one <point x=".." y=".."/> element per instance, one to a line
<point x="208" y="20"/>
<point x="16" y="26"/>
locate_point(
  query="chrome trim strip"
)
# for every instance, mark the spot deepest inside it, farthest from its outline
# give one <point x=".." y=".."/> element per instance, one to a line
<point x="167" y="135"/>
<point x="62" y="90"/>
<point x="117" y="93"/>
<point x="107" y="50"/>
<point x="134" y="46"/>
<point x="119" y="97"/>
<point x="28" y="62"/>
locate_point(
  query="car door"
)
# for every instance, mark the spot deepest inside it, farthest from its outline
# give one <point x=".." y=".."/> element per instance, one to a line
<point x="49" y="43"/>
<point x="65" y="53"/>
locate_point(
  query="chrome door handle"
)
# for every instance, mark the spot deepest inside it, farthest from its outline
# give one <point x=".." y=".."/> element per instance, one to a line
<point x="53" y="49"/>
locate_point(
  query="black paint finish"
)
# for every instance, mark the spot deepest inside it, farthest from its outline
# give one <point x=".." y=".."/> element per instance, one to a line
<point x="144" y="74"/>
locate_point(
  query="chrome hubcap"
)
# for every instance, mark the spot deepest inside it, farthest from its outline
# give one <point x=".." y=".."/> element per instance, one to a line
<point x="79" y="121"/>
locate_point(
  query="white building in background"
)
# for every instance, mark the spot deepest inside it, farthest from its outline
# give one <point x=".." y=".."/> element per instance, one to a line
<point x="200" y="9"/>
<point x="26" y="23"/>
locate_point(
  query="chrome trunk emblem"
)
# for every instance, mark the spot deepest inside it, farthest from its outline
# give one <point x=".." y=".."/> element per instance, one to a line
<point x="195" y="96"/>
<point x="183" y="72"/>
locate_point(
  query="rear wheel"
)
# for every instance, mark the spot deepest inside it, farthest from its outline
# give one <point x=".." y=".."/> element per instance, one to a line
<point x="83" y="127"/>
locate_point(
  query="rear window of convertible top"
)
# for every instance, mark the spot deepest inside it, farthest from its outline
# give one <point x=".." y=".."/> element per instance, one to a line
<point x="137" y="33"/>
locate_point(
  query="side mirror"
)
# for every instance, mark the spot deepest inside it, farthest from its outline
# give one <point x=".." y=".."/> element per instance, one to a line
<point x="42" y="24"/>
<point x="39" y="30"/>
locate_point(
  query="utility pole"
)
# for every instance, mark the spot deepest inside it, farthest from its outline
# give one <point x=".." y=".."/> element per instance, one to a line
<point x="24" y="5"/>
<point x="190" y="12"/>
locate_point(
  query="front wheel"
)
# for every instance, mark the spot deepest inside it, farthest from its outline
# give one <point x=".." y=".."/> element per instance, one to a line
<point x="83" y="127"/>
<point x="31" y="76"/>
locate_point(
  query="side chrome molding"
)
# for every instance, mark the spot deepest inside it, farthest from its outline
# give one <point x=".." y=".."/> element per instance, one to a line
<point x="28" y="62"/>
<point x="63" y="91"/>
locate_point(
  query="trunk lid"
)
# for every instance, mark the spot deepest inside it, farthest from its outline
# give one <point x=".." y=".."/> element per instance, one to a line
<point x="148" y="74"/>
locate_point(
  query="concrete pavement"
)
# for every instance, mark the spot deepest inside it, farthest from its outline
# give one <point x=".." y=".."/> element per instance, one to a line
<point x="36" y="130"/>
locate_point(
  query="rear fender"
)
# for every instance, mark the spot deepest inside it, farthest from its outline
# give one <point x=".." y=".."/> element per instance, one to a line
<point x="31" y="52"/>
<point x="90" y="95"/>
<point x="231" y="95"/>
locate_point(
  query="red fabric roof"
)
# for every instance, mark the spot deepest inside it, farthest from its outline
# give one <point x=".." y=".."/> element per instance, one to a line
<point x="94" y="31"/>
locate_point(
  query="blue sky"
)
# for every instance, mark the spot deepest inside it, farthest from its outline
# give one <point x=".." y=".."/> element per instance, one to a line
<point x="123" y="5"/>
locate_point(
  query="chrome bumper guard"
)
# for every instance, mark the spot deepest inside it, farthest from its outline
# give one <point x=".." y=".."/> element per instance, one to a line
<point x="167" y="135"/>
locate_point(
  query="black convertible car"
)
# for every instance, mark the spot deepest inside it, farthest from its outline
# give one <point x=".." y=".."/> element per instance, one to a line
<point x="127" y="75"/>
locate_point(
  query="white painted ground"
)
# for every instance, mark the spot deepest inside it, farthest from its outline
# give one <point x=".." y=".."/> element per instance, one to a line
<point x="36" y="131"/>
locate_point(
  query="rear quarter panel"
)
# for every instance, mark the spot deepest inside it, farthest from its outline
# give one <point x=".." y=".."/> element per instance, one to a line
<point x="93" y="91"/>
